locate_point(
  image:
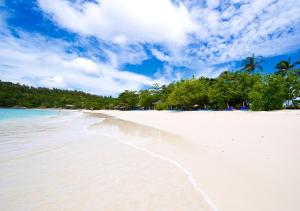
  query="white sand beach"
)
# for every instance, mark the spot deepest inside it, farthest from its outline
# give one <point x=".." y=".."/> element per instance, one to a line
<point x="243" y="161"/>
<point x="150" y="160"/>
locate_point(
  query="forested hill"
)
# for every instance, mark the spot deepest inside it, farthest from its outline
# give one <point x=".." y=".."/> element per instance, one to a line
<point x="16" y="95"/>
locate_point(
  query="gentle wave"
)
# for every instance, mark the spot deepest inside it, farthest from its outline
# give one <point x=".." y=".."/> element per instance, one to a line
<point x="174" y="163"/>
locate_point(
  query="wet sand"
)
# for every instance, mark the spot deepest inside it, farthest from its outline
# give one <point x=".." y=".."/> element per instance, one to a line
<point x="78" y="161"/>
<point x="241" y="160"/>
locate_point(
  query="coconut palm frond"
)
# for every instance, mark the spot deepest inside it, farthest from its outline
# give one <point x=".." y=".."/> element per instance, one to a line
<point x="295" y="64"/>
<point x="285" y="66"/>
<point x="282" y="65"/>
<point x="251" y="63"/>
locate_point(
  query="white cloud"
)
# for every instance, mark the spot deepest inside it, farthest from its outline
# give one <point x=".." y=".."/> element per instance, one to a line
<point x="53" y="82"/>
<point x="212" y="3"/>
<point x="160" y="55"/>
<point x="214" y="71"/>
<point x="191" y="32"/>
<point x="120" y="21"/>
<point x="38" y="63"/>
<point x="264" y="27"/>
<point x="82" y="64"/>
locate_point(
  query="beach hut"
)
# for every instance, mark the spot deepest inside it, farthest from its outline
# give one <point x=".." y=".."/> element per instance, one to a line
<point x="122" y="108"/>
<point x="155" y="103"/>
<point x="196" y="106"/>
<point x="69" y="106"/>
<point x="117" y="107"/>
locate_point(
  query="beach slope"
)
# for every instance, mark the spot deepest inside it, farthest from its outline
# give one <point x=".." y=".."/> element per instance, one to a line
<point x="242" y="160"/>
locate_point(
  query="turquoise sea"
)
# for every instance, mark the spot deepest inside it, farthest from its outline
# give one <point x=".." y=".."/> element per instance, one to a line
<point x="12" y="113"/>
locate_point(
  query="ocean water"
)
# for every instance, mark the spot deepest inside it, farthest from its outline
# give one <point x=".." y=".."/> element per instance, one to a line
<point x="76" y="161"/>
<point x="11" y="113"/>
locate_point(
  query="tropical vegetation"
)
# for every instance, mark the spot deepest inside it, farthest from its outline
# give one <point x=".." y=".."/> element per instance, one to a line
<point x="246" y="88"/>
<point x="16" y="95"/>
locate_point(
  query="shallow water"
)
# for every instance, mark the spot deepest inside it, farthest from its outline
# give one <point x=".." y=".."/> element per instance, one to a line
<point x="13" y="113"/>
<point x="75" y="161"/>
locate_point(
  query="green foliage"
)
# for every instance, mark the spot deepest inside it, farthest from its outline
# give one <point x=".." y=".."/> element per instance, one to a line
<point x="269" y="93"/>
<point x="188" y="93"/>
<point x="148" y="98"/>
<point x="161" y="106"/>
<point x="256" y="96"/>
<point x="274" y="92"/>
<point x="128" y="100"/>
<point x="16" y="95"/>
<point x="225" y="91"/>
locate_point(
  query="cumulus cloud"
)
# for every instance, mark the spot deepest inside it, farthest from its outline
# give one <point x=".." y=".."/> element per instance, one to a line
<point x="27" y="61"/>
<point x="160" y="55"/>
<point x="232" y="31"/>
<point x="192" y="32"/>
<point x="82" y="64"/>
<point x="119" y="21"/>
<point x="196" y="35"/>
<point x="53" y="82"/>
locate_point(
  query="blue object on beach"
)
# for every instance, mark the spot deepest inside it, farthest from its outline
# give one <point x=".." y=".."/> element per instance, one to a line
<point x="244" y="108"/>
<point x="230" y="108"/>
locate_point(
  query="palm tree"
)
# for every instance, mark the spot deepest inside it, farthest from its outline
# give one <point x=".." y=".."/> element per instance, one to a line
<point x="284" y="67"/>
<point x="251" y="63"/>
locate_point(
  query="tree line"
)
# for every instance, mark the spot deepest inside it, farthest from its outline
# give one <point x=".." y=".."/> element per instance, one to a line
<point x="16" y="95"/>
<point x="245" y="88"/>
<point x="242" y="89"/>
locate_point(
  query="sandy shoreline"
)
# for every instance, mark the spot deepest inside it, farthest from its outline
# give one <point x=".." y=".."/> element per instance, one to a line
<point x="77" y="161"/>
<point x="242" y="160"/>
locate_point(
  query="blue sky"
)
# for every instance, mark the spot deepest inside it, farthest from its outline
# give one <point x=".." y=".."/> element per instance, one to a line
<point x="107" y="46"/>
